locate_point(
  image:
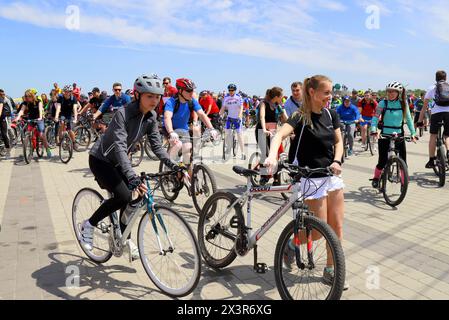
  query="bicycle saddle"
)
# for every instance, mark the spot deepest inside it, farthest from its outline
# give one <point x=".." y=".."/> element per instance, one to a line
<point x="245" y="172"/>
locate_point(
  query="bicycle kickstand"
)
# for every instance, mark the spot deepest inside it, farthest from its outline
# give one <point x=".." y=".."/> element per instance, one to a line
<point x="261" y="268"/>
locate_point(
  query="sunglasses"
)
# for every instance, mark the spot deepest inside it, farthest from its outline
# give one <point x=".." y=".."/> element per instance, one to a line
<point x="231" y="90"/>
<point x="117" y="90"/>
<point x="165" y="83"/>
<point x="188" y="91"/>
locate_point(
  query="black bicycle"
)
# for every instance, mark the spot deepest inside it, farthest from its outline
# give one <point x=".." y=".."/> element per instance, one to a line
<point x="441" y="163"/>
<point x="394" y="179"/>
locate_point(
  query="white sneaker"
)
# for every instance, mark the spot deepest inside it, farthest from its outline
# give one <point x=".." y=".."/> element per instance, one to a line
<point x="133" y="249"/>
<point x="87" y="235"/>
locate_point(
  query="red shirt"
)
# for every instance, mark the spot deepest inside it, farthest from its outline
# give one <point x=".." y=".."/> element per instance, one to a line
<point x="206" y="102"/>
<point x="368" y="109"/>
<point x="77" y="93"/>
<point x="169" y="92"/>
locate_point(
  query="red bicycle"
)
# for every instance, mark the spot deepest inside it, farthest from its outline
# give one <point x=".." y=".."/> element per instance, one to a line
<point x="32" y="141"/>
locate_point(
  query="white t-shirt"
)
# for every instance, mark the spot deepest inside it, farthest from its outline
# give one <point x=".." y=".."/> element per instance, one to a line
<point x="431" y="96"/>
<point x="233" y="104"/>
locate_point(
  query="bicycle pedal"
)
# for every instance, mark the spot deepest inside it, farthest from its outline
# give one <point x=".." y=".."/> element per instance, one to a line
<point x="261" y="268"/>
<point x="234" y="223"/>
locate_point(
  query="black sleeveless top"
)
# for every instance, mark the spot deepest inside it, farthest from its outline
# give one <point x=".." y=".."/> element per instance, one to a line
<point x="33" y="110"/>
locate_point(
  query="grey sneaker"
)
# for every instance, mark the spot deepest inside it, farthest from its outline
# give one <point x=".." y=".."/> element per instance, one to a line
<point x="289" y="257"/>
<point x="87" y="235"/>
<point x="328" y="278"/>
<point x="133" y="251"/>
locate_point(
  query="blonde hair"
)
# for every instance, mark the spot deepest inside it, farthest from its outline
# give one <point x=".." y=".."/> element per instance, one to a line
<point x="305" y="113"/>
<point x="30" y="93"/>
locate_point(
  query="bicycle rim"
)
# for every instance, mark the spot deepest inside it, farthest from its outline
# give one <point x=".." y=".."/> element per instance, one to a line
<point x="66" y="149"/>
<point x="27" y="148"/>
<point x="395" y="182"/>
<point x="170" y="185"/>
<point x="86" y="202"/>
<point x="216" y="237"/>
<point x="39" y="147"/>
<point x="203" y="186"/>
<point x="82" y="138"/>
<point x="177" y="270"/>
<point x="295" y="283"/>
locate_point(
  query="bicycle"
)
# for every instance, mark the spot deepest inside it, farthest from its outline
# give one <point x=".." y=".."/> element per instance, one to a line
<point x="371" y="140"/>
<point x="233" y="135"/>
<point x="32" y="142"/>
<point x="228" y="232"/>
<point x="65" y="145"/>
<point x="200" y="185"/>
<point x="83" y="135"/>
<point x="168" y="248"/>
<point x="395" y="173"/>
<point x="441" y="163"/>
<point x="50" y="133"/>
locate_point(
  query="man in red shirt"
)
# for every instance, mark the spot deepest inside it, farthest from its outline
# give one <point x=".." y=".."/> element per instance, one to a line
<point x="210" y="107"/>
<point x="367" y="107"/>
<point x="76" y="92"/>
<point x="169" y="92"/>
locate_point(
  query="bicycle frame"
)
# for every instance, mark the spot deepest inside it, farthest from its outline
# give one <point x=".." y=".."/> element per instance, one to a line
<point x="247" y="198"/>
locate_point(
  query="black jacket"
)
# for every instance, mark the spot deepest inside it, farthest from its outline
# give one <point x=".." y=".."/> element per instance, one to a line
<point x="127" y="127"/>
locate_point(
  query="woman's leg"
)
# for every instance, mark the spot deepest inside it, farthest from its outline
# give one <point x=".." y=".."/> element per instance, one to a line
<point x="384" y="145"/>
<point x="335" y="215"/>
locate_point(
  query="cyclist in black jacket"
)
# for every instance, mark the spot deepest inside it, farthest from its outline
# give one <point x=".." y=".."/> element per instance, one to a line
<point x="109" y="160"/>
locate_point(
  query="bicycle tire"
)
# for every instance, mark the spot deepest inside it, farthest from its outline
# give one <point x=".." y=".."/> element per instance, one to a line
<point x="371" y="145"/>
<point x="186" y="257"/>
<point x="441" y="166"/>
<point x="66" y="145"/>
<point x="76" y="220"/>
<point x="50" y="135"/>
<point x="208" y="191"/>
<point x="333" y="243"/>
<point x="234" y="145"/>
<point x="167" y="182"/>
<point x="136" y="154"/>
<point x="149" y="151"/>
<point x="27" y="148"/>
<point x="253" y="164"/>
<point x="83" y="138"/>
<point x="208" y="213"/>
<point x="39" y="147"/>
<point x="12" y="135"/>
<point x="404" y="185"/>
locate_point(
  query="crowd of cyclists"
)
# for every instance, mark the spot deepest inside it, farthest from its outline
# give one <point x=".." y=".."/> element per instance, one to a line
<point x="313" y="120"/>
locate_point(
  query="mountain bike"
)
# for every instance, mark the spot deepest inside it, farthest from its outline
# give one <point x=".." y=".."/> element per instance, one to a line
<point x="394" y="180"/>
<point x="303" y="249"/>
<point x="168" y="248"/>
<point x="32" y="142"/>
<point x="441" y="163"/>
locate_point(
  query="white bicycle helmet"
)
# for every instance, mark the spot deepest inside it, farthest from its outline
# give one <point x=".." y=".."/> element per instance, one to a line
<point x="395" y="86"/>
<point x="149" y="84"/>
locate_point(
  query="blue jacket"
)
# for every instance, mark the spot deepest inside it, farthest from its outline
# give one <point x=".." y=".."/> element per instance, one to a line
<point x="348" y="114"/>
<point x="115" y="103"/>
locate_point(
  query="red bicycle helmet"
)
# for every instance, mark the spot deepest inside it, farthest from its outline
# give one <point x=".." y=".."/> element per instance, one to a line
<point x="185" y="84"/>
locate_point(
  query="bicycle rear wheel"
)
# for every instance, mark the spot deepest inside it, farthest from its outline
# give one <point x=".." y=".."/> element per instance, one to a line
<point x="203" y="186"/>
<point x="82" y="138"/>
<point x="303" y="279"/>
<point x="86" y="202"/>
<point x="169" y="252"/>
<point x="149" y="152"/>
<point x="395" y="181"/>
<point x="216" y="235"/>
<point x="66" y="149"/>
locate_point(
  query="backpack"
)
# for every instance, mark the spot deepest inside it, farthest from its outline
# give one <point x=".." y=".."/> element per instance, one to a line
<point x="442" y="94"/>
<point x="381" y="125"/>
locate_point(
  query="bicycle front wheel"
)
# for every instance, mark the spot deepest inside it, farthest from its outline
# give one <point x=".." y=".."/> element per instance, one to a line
<point x="149" y="151"/>
<point x="203" y="186"/>
<point x="136" y="154"/>
<point x="82" y="138"/>
<point x="66" y="149"/>
<point x="255" y="164"/>
<point x="39" y="147"/>
<point x="301" y="277"/>
<point x="440" y="166"/>
<point x="86" y="202"/>
<point x="28" y="149"/>
<point x="170" y="185"/>
<point x="169" y="252"/>
<point x="395" y="181"/>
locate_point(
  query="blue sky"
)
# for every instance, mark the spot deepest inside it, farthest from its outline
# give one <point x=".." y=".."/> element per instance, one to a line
<point x="255" y="44"/>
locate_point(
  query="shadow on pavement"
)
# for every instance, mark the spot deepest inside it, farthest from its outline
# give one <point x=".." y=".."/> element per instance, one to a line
<point x="426" y="180"/>
<point x="370" y="196"/>
<point x="55" y="279"/>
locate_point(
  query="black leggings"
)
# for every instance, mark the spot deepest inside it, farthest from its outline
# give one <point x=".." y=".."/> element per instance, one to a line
<point x="4" y="132"/>
<point x="111" y="179"/>
<point x="384" y="146"/>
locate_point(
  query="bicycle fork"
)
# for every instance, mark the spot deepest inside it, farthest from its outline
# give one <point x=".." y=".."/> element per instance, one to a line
<point x="153" y="216"/>
<point x="298" y="210"/>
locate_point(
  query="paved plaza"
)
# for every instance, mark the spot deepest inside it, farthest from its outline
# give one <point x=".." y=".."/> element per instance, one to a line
<point x="390" y="253"/>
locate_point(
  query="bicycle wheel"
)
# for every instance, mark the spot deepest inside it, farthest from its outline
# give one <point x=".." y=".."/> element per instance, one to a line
<point x="224" y="147"/>
<point x="440" y="166"/>
<point x="216" y="235"/>
<point x="254" y="164"/>
<point x="82" y="138"/>
<point x="12" y="135"/>
<point x="305" y="282"/>
<point x="234" y="144"/>
<point x="39" y="147"/>
<point x="395" y="181"/>
<point x="169" y="252"/>
<point x="66" y="149"/>
<point x="148" y="151"/>
<point x="203" y="185"/>
<point x="136" y="154"/>
<point x="421" y="132"/>
<point x="372" y="145"/>
<point x="170" y="185"/>
<point x="50" y="135"/>
<point x="86" y="202"/>
<point x="27" y="148"/>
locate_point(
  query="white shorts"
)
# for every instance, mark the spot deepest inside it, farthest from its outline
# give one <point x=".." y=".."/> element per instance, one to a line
<point x="318" y="188"/>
